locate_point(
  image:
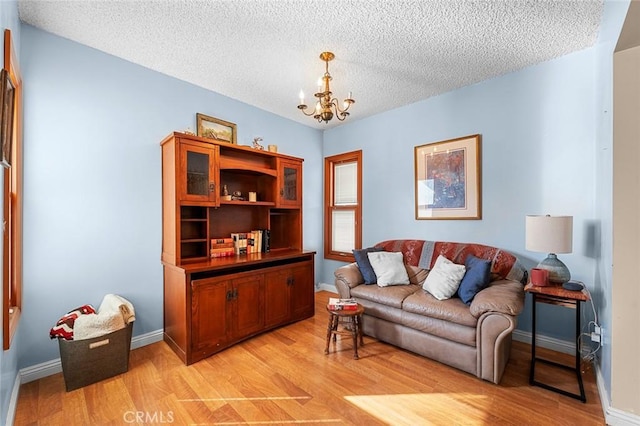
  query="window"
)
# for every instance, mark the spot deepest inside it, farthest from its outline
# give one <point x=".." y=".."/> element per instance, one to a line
<point x="12" y="208"/>
<point x="343" y="205"/>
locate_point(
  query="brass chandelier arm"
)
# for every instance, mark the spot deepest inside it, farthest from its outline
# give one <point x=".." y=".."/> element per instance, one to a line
<point x="336" y="104"/>
<point x="303" y="107"/>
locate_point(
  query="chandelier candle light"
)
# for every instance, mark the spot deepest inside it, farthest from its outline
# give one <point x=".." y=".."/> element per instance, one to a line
<point x="325" y="104"/>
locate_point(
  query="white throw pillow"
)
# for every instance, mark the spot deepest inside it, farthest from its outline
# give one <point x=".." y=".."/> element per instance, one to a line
<point x="444" y="278"/>
<point x="389" y="268"/>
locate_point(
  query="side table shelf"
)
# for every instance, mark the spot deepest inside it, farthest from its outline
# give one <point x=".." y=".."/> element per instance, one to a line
<point x="556" y="295"/>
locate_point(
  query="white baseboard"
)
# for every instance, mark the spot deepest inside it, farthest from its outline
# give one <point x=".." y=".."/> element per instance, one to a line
<point x="48" y="368"/>
<point x="147" y="339"/>
<point x="563" y="346"/>
<point x="327" y="287"/>
<point x="613" y="416"/>
<point x="13" y="401"/>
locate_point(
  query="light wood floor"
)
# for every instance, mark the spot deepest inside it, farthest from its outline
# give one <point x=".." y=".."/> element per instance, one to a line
<point x="284" y="377"/>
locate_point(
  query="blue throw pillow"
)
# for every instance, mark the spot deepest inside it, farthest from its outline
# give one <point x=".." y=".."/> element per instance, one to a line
<point x="364" y="265"/>
<point x="477" y="277"/>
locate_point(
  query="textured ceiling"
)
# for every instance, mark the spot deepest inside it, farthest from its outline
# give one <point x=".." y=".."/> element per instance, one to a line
<point x="262" y="52"/>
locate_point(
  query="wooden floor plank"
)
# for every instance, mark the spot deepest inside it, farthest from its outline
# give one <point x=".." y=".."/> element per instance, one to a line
<point x="284" y="377"/>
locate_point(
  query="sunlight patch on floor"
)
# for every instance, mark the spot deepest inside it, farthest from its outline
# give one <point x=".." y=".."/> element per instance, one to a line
<point x="424" y="408"/>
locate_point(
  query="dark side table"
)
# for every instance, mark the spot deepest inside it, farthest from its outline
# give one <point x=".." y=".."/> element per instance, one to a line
<point x="556" y="295"/>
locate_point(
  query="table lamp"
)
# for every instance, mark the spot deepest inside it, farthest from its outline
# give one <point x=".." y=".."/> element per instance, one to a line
<point x="551" y="234"/>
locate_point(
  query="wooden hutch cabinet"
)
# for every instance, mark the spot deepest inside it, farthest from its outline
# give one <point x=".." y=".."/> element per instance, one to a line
<point x="212" y="303"/>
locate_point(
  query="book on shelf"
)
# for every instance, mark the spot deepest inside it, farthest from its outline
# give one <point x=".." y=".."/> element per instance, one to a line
<point x="221" y="247"/>
<point x="217" y="243"/>
<point x="251" y="242"/>
<point x="222" y="252"/>
<point x="336" y="304"/>
<point x="256" y="241"/>
<point x="239" y="242"/>
<point x="266" y="240"/>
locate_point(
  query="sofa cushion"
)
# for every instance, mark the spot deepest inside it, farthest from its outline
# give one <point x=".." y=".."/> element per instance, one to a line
<point x="389" y="268"/>
<point x="453" y="310"/>
<point x="364" y="265"/>
<point x="416" y="274"/>
<point x="380" y="311"/>
<point x="390" y="296"/>
<point x="444" y="279"/>
<point x="503" y="296"/>
<point x="436" y="327"/>
<point x="476" y="277"/>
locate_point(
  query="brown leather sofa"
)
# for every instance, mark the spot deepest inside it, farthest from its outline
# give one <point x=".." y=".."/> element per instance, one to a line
<point x="475" y="338"/>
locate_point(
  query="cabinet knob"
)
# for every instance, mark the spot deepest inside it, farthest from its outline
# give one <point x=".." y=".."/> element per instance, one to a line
<point x="212" y="186"/>
<point x="281" y="192"/>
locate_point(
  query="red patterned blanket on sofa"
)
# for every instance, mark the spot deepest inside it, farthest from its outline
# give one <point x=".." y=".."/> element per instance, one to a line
<point x="423" y="254"/>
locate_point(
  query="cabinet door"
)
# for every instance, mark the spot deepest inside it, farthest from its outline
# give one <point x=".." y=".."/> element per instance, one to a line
<point x="198" y="174"/>
<point x="210" y="319"/>
<point x="302" y="292"/>
<point x="289" y="183"/>
<point x="248" y="306"/>
<point x="277" y="302"/>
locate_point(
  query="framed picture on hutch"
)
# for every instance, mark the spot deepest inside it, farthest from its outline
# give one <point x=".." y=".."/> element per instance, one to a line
<point x="448" y="179"/>
<point x="214" y="128"/>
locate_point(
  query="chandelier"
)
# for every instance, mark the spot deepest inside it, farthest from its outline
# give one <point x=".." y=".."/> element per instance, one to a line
<point x="325" y="105"/>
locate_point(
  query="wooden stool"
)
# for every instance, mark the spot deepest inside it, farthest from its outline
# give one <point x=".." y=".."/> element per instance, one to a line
<point x="352" y="317"/>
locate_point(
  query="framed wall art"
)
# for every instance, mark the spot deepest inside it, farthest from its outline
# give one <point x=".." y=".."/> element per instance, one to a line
<point x="7" y="93"/>
<point x="214" y="128"/>
<point x="448" y="179"/>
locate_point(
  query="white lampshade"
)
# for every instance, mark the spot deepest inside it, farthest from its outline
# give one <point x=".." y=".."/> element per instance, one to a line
<point x="549" y="234"/>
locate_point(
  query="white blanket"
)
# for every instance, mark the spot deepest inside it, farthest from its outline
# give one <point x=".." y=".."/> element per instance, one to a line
<point x="114" y="313"/>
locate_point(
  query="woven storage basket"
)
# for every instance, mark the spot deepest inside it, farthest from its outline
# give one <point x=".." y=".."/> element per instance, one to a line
<point x="88" y="361"/>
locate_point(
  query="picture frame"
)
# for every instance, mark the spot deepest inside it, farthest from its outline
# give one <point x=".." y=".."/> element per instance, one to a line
<point x="7" y="99"/>
<point x="215" y="128"/>
<point x="448" y="179"/>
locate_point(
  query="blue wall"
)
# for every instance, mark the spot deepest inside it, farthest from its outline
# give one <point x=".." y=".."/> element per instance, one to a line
<point x="538" y="157"/>
<point x="92" y="188"/>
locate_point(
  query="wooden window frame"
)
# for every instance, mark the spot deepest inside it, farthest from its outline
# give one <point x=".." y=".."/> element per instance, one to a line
<point x="12" y="208"/>
<point x="329" y="167"/>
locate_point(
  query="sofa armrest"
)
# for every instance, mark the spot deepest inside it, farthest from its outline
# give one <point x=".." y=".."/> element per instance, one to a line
<point x="504" y="296"/>
<point x="347" y="277"/>
<point x="493" y="341"/>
